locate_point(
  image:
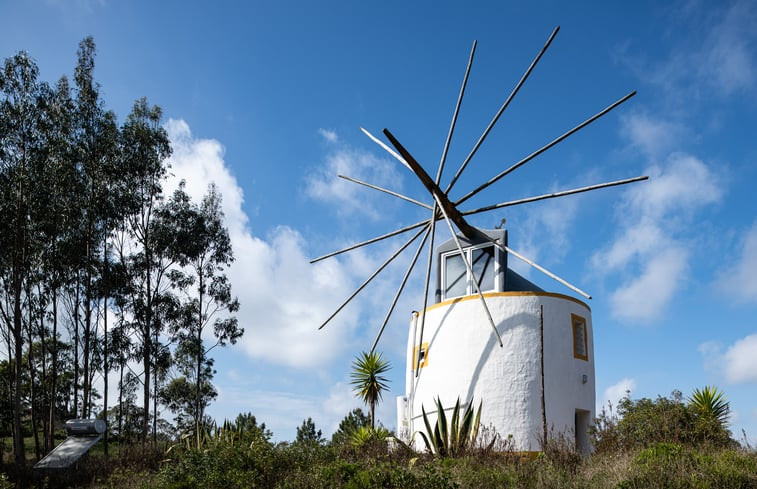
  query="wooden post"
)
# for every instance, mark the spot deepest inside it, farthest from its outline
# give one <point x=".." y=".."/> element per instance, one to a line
<point x="541" y="359"/>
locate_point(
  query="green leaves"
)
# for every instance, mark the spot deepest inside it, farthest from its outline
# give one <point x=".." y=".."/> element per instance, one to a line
<point x="366" y="435"/>
<point x="710" y="403"/>
<point x="368" y="381"/>
<point x="462" y="434"/>
<point x="307" y="433"/>
<point x="349" y="425"/>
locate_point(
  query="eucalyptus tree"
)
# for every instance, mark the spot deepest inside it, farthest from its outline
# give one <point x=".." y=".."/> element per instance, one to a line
<point x="96" y="152"/>
<point x="20" y="152"/>
<point x="57" y="219"/>
<point x="204" y="251"/>
<point x="144" y="150"/>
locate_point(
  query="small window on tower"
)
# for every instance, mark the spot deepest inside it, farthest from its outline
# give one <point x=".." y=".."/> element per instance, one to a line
<point x="455" y="277"/>
<point x="580" y="342"/>
<point x="423" y="352"/>
<point x="483" y="268"/>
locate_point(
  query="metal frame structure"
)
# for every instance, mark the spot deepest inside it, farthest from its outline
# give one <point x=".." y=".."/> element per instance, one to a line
<point x="442" y="208"/>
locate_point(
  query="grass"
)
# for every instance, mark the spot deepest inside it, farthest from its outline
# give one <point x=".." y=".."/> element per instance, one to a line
<point x="660" y="465"/>
<point x="655" y="443"/>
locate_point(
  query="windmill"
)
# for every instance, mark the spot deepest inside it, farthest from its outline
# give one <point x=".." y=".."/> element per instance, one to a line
<point x="538" y="343"/>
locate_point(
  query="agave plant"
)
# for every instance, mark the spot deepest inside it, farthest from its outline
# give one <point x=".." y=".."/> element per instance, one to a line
<point x="710" y="402"/>
<point x="365" y="434"/>
<point x="455" y="438"/>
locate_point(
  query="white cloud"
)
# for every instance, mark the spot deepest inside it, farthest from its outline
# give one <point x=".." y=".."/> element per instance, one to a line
<point x="639" y="240"/>
<point x="650" y="255"/>
<point x="738" y="364"/>
<point x="200" y="162"/>
<point x="284" y="411"/>
<point x="340" y="401"/>
<point x="728" y="56"/>
<point x="711" y="352"/>
<point x="286" y="298"/>
<point x="738" y="280"/>
<point x="654" y="137"/>
<point x="717" y="58"/>
<point x="281" y="411"/>
<point x="328" y="135"/>
<point x="554" y="219"/>
<point x="617" y="391"/>
<point x="740" y="361"/>
<point x="644" y="297"/>
<point x="683" y="185"/>
<point x="283" y="297"/>
<point x="347" y="197"/>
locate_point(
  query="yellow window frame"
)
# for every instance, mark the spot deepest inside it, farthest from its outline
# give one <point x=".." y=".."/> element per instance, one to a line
<point x="577" y="321"/>
<point x="424" y="348"/>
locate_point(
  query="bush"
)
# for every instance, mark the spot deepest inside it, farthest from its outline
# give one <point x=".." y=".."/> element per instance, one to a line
<point x="644" y="422"/>
<point x="674" y="465"/>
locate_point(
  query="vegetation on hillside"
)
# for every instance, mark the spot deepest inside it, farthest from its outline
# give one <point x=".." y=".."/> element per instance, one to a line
<point x="87" y="228"/>
<point x="654" y="443"/>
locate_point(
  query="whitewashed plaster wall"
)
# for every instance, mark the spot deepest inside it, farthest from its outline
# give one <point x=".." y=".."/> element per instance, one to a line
<point x="465" y="360"/>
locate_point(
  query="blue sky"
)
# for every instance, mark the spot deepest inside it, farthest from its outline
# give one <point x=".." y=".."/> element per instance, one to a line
<point x="267" y="98"/>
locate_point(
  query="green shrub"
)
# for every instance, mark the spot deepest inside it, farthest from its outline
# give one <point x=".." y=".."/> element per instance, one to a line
<point x="4" y="482"/>
<point x="674" y="465"/>
<point x="221" y="465"/>
<point x="643" y="422"/>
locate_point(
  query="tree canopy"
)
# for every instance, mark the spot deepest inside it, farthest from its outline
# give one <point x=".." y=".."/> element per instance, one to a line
<point x="99" y="270"/>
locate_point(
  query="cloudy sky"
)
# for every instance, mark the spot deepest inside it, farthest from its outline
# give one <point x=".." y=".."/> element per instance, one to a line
<point x="266" y="100"/>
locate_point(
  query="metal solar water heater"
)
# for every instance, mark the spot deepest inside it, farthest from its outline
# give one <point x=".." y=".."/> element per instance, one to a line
<point x="82" y="435"/>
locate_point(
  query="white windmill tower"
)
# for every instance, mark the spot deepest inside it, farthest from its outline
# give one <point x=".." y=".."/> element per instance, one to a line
<point x="491" y="335"/>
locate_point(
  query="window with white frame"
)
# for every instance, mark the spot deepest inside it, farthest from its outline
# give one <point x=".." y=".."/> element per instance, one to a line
<point x="455" y="278"/>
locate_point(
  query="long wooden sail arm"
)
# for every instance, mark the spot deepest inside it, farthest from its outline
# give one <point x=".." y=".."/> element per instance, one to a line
<point x="373" y="275"/>
<point x="553" y="195"/>
<point x="480" y="210"/>
<point x="544" y="148"/>
<point x="502" y="109"/>
<point x="386" y="191"/>
<point x="448" y="207"/>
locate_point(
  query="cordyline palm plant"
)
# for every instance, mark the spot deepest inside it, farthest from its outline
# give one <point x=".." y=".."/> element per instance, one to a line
<point x="710" y="403"/>
<point x="462" y="432"/>
<point x="368" y="381"/>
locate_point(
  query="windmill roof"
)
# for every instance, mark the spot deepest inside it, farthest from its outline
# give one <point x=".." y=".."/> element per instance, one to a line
<point x="517" y="283"/>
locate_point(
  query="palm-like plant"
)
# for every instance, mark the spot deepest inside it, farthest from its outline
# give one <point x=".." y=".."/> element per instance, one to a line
<point x="368" y="381"/>
<point x="710" y="403"/>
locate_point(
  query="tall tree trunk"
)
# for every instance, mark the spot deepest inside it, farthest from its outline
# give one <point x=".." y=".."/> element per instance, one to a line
<point x="146" y="401"/>
<point x="147" y="337"/>
<point x="156" y="345"/>
<point x="121" y="403"/>
<point x="105" y="346"/>
<point x="18" y="436"/>
<point x="18" y="274"/>
<point x="43" y="362"/>
<point x="76" y="348"/>
<point x="198" y="377"/>
<point x="18" y="341"/>
<point x="54" y="371"/>
<point x="85" y="394"/>
<point x="30" y="366"/>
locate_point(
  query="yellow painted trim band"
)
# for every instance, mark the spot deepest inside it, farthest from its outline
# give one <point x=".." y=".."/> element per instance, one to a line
<point x="507" y="294"/>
